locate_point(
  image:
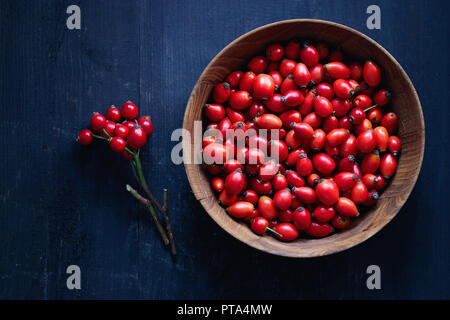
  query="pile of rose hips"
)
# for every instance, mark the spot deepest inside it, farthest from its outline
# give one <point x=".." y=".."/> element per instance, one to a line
<point x="328" y="125"/>
<point x="130" y="132"/>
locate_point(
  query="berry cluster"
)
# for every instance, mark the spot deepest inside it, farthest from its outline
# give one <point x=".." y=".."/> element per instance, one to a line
<point x="311" y="140"/>
<point x="130" y="132"/>
<point x="127" y="134"/>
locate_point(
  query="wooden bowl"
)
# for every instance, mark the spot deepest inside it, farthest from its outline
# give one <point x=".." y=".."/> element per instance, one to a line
<point x="405" y="103"/>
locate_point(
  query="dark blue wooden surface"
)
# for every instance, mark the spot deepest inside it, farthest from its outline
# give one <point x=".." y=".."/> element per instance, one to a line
<point x="62" y="204"/>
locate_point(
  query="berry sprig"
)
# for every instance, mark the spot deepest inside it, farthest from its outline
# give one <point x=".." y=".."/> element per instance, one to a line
<point x="128" y="137"/>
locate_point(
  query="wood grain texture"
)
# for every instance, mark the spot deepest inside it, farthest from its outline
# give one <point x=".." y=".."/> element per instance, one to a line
<point x="405" y="103"/>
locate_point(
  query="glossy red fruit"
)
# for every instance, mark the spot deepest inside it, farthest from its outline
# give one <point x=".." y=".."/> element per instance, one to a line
<point x="323" y="50"/>
<point x="349" y="147"/>
<point x="337" y="70"/>
<point x="371" y="162"/>
<point x="233" y="78"/>
<point x="372" y="73"/>
<point x="309" y="55"/>
<point x="110" y="126"/>
<point x="362" y="101"/>
<point x="301" y="218"/>
<point x="287" y="67"/>
<point x="286" y="231"/>
<point x="370" y="180"/>
<point x="327" y="192"/>
<point x="85" y="137"/>
<point x="357" y="170"/>
<point x="113" y="114"/>
<point x="341" y="106"/>
<point x="317" y="74"/>
<point x="345" y="180"/>
<point x="330" y="123"/>
<point x="381" y="182"/>
<point x="117" y="144"/>
<point x="240" y="209"/>
<point x="324" y="164"/>
<point x="323" y="213"/>
<point x="304" y="165"/>
<point x="129" y="110"/>
<point x="323" y="107"/>
<point x="319" y="139"/>
<point x="217" y="184"/>
<point x="263" y="86"/>
<point x="234" y="115"/>
<point x="346" y="164"/>
<point x="359" y="193"/>
<point x="325" y="90"/>
<point x="343" y="89"/>
<point x="388" y="165"/>
<point x="374" y="115"/>
<point x="214" y="169"/>
<point x="289" y="117"/>
<point x="267" y="208"/>
<point x="278" y="150"/>
<point x="98" y="122"/>
<point x="366" y="141"/>
<point x="232" y="165"/>
<point x="337" y="137"/>
<point x="319" y="229"/>
<point x="268" y="170"/>
<point x="279" y="182"/>
<point x="136" y="137"/>
<point x="259" y="225"/>
<point x="277" y="79"/>
<point x="372" y="198"/>
<point x="273" y="66"/>
<point x="356" y="70"/>
<point x="275" y="52"/>
<point x="292" y="49"/>
<point x="344" y="123"/>
<point x="394" y="145"/>
<point x="221" y="92"/>
<point x="305" y="194"/>
<point x="313" y="179"/>
<point x="390" y="122"/>
<point x="269" y="121"/>
<point x="235" y="182"/>
<point x="255" y="156"/>
<point x="382" y="97"/>
<point x="246" y="81"/>
<point x="256" y="109"/>
<point x="126" y="155"/>
<point x="250" y="196"/>
<point x="292" y="98"/>
<point x="303" y="130"/>
<point x="364" y="88"/>
<point x="282" y="199"/>
<point x="240" y="100"/>
<point x="286" y="215"/>
<point x="357" y="116"/>
<point x="293" y="179"/>
<point x="275" y="104"/>
<point x="346" y="207"/>
<point x="381" y="137"/>
<point x="340" y="222"/>
<point x="308" y="103"/>
<point x="301" y="74"/>
<point x="258" y="64"/>
<point x="146" y="124"/>
<point x="261" y="187"/>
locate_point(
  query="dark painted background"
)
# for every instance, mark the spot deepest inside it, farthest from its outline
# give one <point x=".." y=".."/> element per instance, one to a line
<point x="62" y="204"/>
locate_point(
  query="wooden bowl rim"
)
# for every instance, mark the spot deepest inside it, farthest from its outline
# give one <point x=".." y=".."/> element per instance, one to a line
<point x="311" y="252"/>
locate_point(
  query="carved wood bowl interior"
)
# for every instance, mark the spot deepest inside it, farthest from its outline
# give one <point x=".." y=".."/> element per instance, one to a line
<point x="405" y="103"/>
